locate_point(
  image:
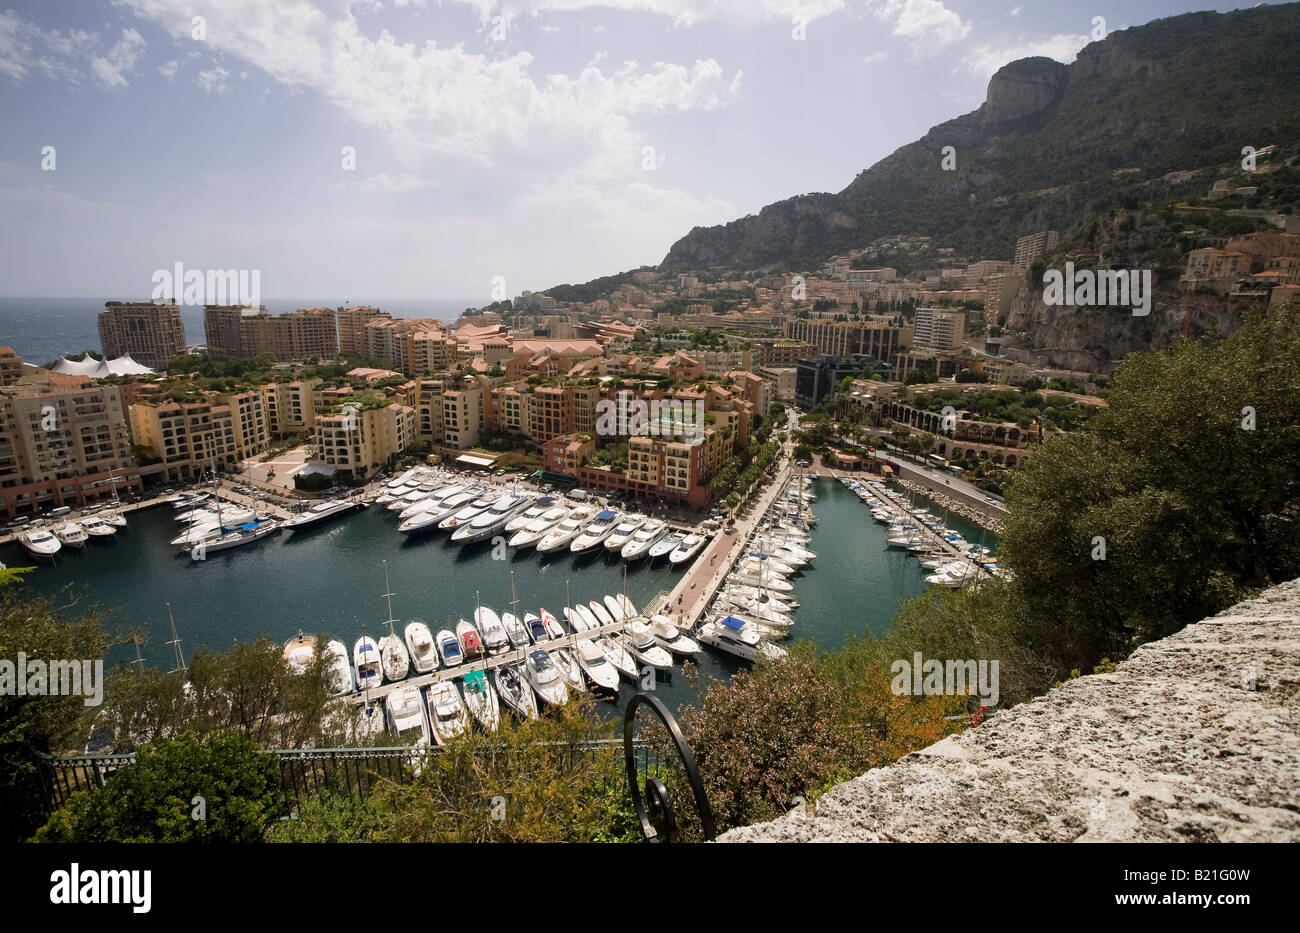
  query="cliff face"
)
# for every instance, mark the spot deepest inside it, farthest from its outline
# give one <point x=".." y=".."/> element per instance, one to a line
<point x="1195" y="738"/>
<point x="1176" y="93"/>
<point x="1024" y="88"/>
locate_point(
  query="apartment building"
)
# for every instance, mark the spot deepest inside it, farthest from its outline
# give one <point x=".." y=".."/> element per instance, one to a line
<point x="235" y="332"/>
<point x="878" y="339"/>
<point x="394" y="341"/>
<point x="462" y="416"/>
<point x="150" y="332"/>
<point x="351" y="329"/>
<point x="1031" y="247"/>
<point x="248" y="422"/>
<point x="11" y="366"/>
<point x="938" y="328"/>
<point x="289" y="407"/>
<point x="361" y="439"/>
<point x="187" y="438"/>
<point x="782" y="379"/>
<point x="62" y="442"/>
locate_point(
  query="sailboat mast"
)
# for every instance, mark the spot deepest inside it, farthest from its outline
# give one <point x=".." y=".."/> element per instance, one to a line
<point x="139" y="661"/>
<point x="389" y="597"/>
<point x="178" y="657"/>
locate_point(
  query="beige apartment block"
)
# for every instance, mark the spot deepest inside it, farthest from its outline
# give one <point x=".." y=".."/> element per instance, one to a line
<point x="60" y="443"/>
<point x="351" y="327"/>
<point x="235" y="332"/>
<point x="361" y="440"/>
<point x="150" y="332"/>
<point x="186" y="437"/>
<point x="289" y="406"/>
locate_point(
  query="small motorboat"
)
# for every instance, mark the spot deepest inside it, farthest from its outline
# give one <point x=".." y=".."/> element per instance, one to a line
<point x="491" y="630"/>
<point x="471" y="643"/>
<point x="40" y="543"/>
<point x="602" y="614"/>
<point x="568" y="666"/>
<point x="689" y="546"/>
<point x="338" y="671"/>
<point x="601" y="675"/>
<point x="670" y="636"/>
<point x="640" y="642"/>
<point x="536" y="628"/>
<point x="72" y="535"/>
<point x="514" y="690"/>
<point x="365" y="661"/>
<point x="482" y="700"/>
<point x="449" y="648"/>
<point x="515" y="630"/>
<point x="545" y="677"/>
<point x="666" y="545"/>
<point x="406" y="715"/>
<point x="553" y="625"/>
<point x="447" y="713"/>
<point x="617" y="655"/>
<point x="419" y="642"/>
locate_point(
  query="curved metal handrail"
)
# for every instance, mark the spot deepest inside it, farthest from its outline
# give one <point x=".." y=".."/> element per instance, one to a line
<point x="654" y="788"/>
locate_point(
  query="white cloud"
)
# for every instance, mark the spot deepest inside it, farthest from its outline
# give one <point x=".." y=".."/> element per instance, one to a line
<point x="1016" y="11"/>
<point x="168" y="70"/>
<point x="214" y="79"/>
<point x="432" y="102"/>
<point x="928" y="23"/>
<point x="25" y="47"/>
<point x="875" y="57"/>
<point x="110" y="70"/>
<point x="987" y="59"/>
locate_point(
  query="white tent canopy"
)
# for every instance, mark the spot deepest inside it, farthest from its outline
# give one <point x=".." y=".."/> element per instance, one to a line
<point x="98" y="369"/>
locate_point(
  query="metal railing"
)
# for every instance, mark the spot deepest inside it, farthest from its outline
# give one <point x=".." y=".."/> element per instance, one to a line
<point x="304" y="772"/>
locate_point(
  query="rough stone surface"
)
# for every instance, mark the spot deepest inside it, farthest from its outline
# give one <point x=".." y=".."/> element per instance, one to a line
<point x="1024" y="87"/>
<point x="1172" y="746"/>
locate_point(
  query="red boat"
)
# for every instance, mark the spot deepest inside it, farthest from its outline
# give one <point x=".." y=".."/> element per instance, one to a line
<point x="470" y="643"/>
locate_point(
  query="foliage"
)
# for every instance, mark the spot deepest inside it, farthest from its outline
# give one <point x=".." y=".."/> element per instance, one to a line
<point x="43" y="630"/>
<point x="155" y="799"/>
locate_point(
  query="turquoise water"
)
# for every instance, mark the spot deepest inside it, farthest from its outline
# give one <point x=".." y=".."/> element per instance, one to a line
<point x="331" y="579"/>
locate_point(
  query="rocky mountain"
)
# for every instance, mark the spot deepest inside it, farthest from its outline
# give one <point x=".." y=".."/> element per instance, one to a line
<point x="1044" y="150"/>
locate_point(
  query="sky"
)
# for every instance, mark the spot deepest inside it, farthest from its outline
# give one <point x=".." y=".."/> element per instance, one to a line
<point x="460" y="148"/>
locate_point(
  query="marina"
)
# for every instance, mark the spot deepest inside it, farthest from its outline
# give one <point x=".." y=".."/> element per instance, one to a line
<point x="308" y="580"/>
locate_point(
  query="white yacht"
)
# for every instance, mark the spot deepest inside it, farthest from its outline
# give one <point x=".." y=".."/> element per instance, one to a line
<point x="320" y="512"/>
<point x="446" y="712"/>
<point x="467" y="514"/>
<point x="70" y="534"/>
<point x="515" y="630"/>
<point x="545" y="677"/>
<point x="601" y="527"/>
<point x="488" y="523"/>
<point x="531" y="533"/>
<point x="419" y="642"/>
<point x="640" y="642"/>
<point x="491" y="629"/>
<point x="406" y="715"/>
<point x="535" y="511"/>
<point x="40" y="543"/>
<point x="300" y="652"/>
<point x="624" y="530"/>
<point x="736" y="636"/>
<point x="568" y="528"/>
<point x="643" y="540"/>
<point x="671" y="637"/>
<point x="99" y="527"/>
<point x="688" y="548"/>
<point x="666" y="545"/>
<point x="601" y="675"/>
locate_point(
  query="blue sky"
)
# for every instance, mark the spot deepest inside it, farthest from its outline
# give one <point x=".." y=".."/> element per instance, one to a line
<point x="542" y="141"/>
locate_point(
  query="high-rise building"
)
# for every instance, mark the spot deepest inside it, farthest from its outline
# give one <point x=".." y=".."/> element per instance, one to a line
<point x="351" y="324"/>
<point x="938" y="328"/>
<point x="845" y="338"/>
<point x="150" y="332"/>
<point x="235" y="332"/>
<point x="1029" y="248"/>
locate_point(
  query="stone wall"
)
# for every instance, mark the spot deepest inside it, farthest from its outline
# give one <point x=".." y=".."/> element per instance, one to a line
<point x="1172" y="746"/>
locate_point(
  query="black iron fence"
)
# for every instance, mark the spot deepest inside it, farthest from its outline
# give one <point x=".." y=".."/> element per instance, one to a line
<point x="304" y="772"/>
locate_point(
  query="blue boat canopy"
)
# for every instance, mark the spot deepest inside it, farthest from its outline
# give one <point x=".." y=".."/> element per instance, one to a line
<point x="546" y="500"/>
<point x="539" y="655"/>
<point x="733" y="622"/>
<point x="605" y="514"/>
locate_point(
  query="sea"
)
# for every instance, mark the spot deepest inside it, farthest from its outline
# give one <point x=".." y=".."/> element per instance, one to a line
<point x="42" y="329"/>
<point x="331" y="580"/>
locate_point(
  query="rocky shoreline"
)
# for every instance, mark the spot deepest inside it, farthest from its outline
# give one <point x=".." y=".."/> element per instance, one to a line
<point x="965" y="510"/>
